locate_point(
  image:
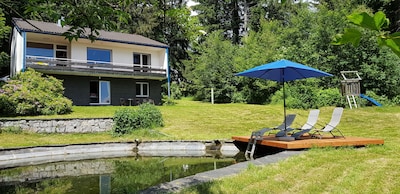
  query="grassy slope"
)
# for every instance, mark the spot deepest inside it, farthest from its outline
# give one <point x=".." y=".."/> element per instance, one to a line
<point x="373" y="169"/>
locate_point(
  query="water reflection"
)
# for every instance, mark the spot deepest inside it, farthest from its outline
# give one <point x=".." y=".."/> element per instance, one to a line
<point x="116" y="175"/>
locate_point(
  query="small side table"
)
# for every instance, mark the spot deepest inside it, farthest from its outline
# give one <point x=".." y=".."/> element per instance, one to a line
<point x="130" y="101"/>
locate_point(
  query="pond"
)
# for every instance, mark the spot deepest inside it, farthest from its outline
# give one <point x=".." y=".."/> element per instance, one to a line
<point x="112" y="175"/>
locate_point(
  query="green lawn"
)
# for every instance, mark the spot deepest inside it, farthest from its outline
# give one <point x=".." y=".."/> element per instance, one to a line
<point x="373" y="169"/>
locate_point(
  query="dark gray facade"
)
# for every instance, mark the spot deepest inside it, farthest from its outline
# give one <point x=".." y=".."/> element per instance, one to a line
<point x="77" y="88"/>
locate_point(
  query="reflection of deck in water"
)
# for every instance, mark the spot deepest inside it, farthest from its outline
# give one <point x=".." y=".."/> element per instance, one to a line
<point x="270" y="142"/>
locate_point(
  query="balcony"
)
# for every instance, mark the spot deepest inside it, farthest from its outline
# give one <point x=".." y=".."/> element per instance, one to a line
<point x="65" y="66"/>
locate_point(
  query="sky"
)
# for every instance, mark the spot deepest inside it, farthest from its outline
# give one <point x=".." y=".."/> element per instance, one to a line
<point x="190" y="3"/>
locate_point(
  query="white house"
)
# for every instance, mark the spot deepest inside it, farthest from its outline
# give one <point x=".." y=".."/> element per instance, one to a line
<point x="117" y="68"/>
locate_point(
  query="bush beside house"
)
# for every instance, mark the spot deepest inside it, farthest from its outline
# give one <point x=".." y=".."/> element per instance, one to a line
<point x="31" y="93"/>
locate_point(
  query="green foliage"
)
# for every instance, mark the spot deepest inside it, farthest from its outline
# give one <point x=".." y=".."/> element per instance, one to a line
<point x="167" y="101"/>
<point x="238" y="97"/>
<point x="11" y="129"/>
<point x="296" y="33"/>
<point x="350" y="35"/>
<point x="214" y="69"/>
<point x="379" y="74"/>
<point x="128" y="119"/>
<point x="255" y="52"/>
<point x="99" y="15"/>
<point x="4" y="36"/>
<point x="125" y="121"/>
<point x="307" y="95"/>
<point x="377" y="23"/>
<point x="297" y="96"/>
<point x="330" y="97"/>
<point x="30" y="93"/>
<point x="220" y="15"/>
<point x="175" y="91"/>
<point x="150" y="116"/>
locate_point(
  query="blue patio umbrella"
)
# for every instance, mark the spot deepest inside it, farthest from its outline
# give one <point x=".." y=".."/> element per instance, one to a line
<point x="282" y="71"/>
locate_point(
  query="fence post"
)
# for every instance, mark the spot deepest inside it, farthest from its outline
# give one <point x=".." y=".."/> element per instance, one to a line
<point x="212" y="95"/>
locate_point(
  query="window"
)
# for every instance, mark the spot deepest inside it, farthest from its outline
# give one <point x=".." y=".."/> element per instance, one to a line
<point x="136" y="59"/>
<point x="46" y="50"/>
<point x="61" y="51"/>
<point x="99" y="55"/>
<point x="142" y="60"/>
<point x="39" y="49"/>
<point x="142" y="89"/>
<point x="100" y="92"/>
<point x="61" y="54"/>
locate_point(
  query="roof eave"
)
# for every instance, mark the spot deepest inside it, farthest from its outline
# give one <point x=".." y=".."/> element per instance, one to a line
<point x="103" y="39"/>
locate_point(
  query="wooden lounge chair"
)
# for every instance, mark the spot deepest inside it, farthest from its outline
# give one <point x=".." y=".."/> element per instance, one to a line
<point x="309" y="125"/>
<point x="332" y="125"/>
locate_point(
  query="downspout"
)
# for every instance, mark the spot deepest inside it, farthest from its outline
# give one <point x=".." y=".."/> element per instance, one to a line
<point x="168" y="75"/>
<point x="23" y="52"/>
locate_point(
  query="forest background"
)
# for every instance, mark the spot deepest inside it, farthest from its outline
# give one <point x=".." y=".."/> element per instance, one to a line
<point x="224" y="37"/>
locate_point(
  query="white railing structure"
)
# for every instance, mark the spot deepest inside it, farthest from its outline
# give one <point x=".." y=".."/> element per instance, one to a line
<point x="65" y="64"/>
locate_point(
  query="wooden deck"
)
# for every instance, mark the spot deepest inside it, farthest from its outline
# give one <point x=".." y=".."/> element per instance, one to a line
<point x="307" y="142"/>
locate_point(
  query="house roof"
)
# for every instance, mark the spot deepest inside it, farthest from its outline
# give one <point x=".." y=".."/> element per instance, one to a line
<point x="53" y="28"/>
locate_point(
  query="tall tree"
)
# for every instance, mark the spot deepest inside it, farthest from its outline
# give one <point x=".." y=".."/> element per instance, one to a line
<point x="79" y="15"/>
<point x="222" y="15"/>
<point x="214" y="69"/>
<point x="4" y="55"/>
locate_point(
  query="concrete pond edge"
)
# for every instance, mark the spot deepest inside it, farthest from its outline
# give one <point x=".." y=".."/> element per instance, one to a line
<point x="13" y="157"/>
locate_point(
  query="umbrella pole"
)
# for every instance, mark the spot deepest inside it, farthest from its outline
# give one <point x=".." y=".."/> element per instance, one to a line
<point x="284" y="106"/>
<point x="286" y="137"/>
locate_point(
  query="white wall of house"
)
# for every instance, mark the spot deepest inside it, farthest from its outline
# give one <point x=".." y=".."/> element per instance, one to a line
<point x="78" y="51"/>
<point x="17" y="52"/>
<point x="121" y="53"/>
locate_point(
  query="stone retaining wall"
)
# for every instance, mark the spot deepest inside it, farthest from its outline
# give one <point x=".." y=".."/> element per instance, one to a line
<point x="61" y="125"/>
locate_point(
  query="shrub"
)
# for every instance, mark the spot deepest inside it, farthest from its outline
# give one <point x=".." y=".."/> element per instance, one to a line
<point x="297" y="96"/>
<point x="175" y="90"/>
<point x="128" y="119"/>
<point x="30" y="93"/>
<point x="306" y="96"/>
<point x="150" y="116"/>
<point x="238" y="97"/>
<point x="124" y="121"/>
<point x="330" y="97"/>
<point x="167" y="101"/>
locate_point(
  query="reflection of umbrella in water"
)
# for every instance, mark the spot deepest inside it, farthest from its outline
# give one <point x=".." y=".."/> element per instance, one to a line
<point x="282" y="71"/>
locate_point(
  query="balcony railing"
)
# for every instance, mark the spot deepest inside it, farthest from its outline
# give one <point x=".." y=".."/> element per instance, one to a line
<point x="62" y="65"/>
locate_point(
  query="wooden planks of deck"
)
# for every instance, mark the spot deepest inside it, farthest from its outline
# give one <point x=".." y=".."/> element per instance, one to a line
<point x="307" y="142"/>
